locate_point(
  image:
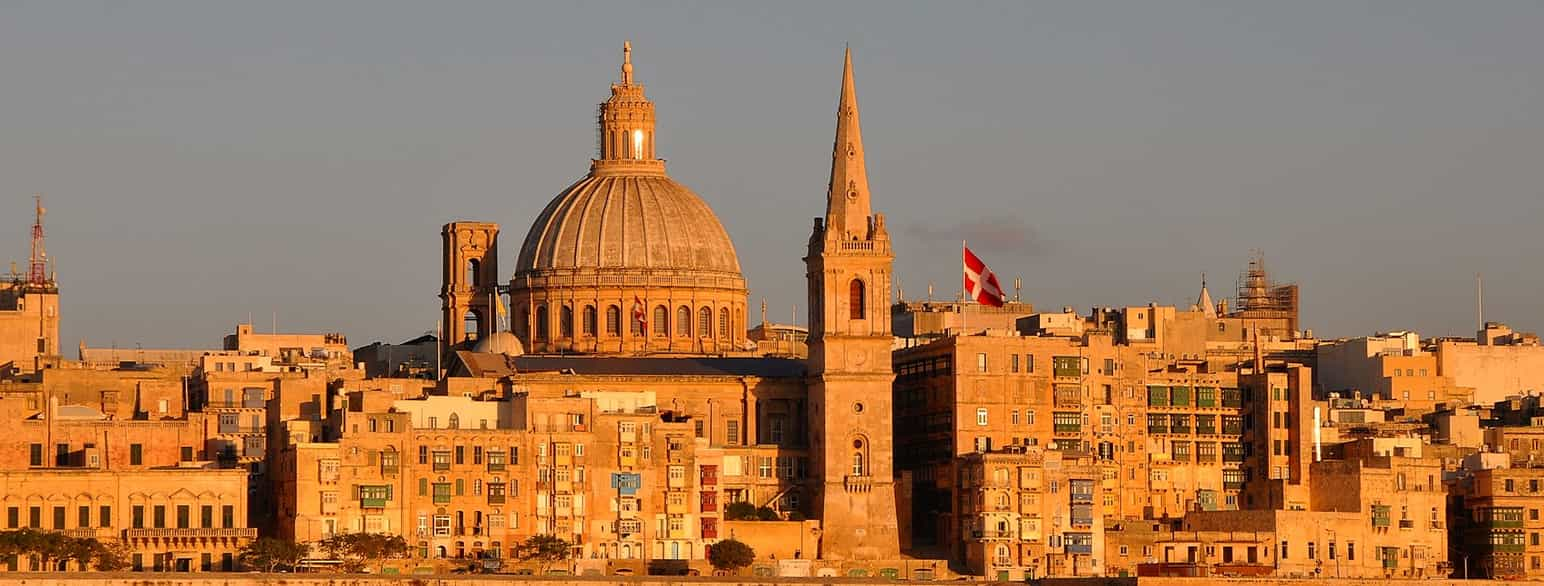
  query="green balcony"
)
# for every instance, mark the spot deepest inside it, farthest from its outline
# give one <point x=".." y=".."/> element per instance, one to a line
<point x="372" y="503"/>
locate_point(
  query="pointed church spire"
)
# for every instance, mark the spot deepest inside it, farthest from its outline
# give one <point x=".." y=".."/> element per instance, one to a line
<point x="847" y="198"/>
<point x="1207" y="307"/>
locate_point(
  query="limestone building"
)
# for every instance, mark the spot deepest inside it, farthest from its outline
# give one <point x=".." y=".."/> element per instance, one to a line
<point x="29" y="310"/>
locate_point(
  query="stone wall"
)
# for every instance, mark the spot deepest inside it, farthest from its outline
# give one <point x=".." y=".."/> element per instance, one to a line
<point x="324" y="580"/>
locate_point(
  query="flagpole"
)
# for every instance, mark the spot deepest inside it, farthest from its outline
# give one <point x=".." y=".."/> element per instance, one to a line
<point x="964" y="293"/>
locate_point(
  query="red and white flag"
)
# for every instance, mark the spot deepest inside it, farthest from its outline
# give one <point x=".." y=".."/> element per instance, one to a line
<point x="640" y="315"/>
<point x="980" y="284"/>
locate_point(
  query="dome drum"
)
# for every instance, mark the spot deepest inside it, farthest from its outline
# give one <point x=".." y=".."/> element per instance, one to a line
<point x="590" y="320"/>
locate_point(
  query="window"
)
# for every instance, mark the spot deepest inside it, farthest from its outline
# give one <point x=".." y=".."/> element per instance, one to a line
<point x="206" y="514"/>
<point x="58" y="517"/>
<point x="981" y="416"/>
<point x="566" y="321"/>
<point x="184" y="517"/>
<point x="613" y="320"/>
<point x="138" y="517"/>
<point x="981" y="362"/>
<point x="683" y="322"/>
<point x="136" y="454"/>
<point x="104" y="516"/>
<point x="661" y="321"/>
<point x="83" y="518"/>
<point x="37" y="455"/>
<point x="1013" y="362"/>
<point x="723" y="323"/>
<point x="541" y="323"/>
<point x="469" y="325"/>
<point x="705" y="322"/>
<point x="1013" y="417"/>
<point x="589" y="320"/>
<point x="732" y="432"/>
<point x="158" y="516"/>
<point x="855" y="299"/>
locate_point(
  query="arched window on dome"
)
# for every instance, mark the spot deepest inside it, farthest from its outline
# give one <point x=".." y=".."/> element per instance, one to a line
<point x="855" y="299"/>
<point x="470" y="325"/>
<point x="613" y="320"/>
<point x="705" y="322"/>
<point x="589" y="320"/>
<point x="541" y="323"/>
<point x="683" y="320"/>
<point x="566" y="322"/>
<point x="661" y="323"/>
<point x="723" y="323"/>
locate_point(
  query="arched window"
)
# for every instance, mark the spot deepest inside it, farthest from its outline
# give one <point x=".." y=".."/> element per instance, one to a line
<point x="661" y="323"/>
<point x="705" y="322"/>
<point x="470" y="324"/>
<point x="723" y="323"/>
<point x="683" y="321"/>
<point x="541" y="322"/>
<point x="859" y="457"/>
<point x="589" y="320"/>
<point x="1002" y="500"/>
<point x="855" y="299"/>
<point x="473" y="272"/>
<point x="566" y="321"/>
<point x="613" y="320"/>
<point x="455" y="421"/>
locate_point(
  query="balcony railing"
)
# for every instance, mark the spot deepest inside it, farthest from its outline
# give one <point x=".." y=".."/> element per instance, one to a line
<point x="852" y="483"/>
<point x="372" y="503"/>
<point x="204" y="533"/>
<point x="992" y="534"/>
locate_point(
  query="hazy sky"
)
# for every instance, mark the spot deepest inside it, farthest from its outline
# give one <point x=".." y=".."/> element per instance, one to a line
<point x="203" y="161"/>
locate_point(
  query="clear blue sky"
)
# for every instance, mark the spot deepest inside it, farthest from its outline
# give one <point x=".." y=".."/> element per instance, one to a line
<point x="208" y="160"/>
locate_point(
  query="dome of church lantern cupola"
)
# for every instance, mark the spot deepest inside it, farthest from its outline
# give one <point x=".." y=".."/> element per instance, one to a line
<point x="626" y="260"/>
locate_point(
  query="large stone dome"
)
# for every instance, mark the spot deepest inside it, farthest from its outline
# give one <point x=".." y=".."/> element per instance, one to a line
<point x="626" y="260"/>
<point x="628" y="221"/>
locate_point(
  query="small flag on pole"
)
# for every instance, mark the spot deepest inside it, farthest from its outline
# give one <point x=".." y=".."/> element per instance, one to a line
<point x="640" y="315"/>
<point x="980" y="284"/>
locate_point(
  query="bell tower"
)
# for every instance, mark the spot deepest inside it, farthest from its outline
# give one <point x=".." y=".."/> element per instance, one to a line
<point x="469" y="285"/>
<point x="848" y="268"/>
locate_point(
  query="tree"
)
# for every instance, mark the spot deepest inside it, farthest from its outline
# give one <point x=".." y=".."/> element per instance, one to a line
<point x="357" y="550"/>
<point x="271" y="554"/>
<point x="51" y="548"/>
<point x="740" y="511"/>
<point x="111" y="557"/>
<point x="765" y="513"/>
<point x="731" y="554"/>
<point x="545" y="550"/>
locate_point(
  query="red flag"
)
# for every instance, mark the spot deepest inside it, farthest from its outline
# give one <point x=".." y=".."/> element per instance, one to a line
<point x="640" y="315"/>
<point x="980" y="284"/>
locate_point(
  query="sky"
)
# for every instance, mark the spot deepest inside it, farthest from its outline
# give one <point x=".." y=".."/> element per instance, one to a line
<point x="203" y="162"/>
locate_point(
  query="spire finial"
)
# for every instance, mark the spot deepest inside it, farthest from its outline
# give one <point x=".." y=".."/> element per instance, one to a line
<point x="627" y="63"/>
